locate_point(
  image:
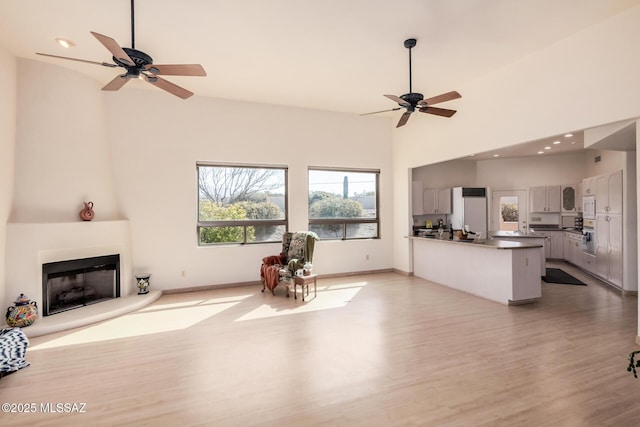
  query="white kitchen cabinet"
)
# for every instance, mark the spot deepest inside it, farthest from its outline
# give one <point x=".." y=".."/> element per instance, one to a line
<point x="436" y="201"/>
<point x="571" y="198"/>
<point x="589" y="186"/>
<point x="416" y="198"/>
<point x="609" y="193"/>
<point x="546" y="199"/>
<point x="573" y="248"/>
<point x="589" y="262"/>
<point x="554" y="247"/>
<point x="609" y="263"/>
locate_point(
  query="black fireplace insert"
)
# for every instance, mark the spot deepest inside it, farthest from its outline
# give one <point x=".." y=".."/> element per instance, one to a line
<point x="71" y="284"/>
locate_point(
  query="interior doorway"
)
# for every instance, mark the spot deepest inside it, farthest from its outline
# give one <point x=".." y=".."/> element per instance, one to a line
<point x="509" y="210"/>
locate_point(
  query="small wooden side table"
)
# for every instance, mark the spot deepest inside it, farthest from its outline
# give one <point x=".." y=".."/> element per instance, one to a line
<point x="304" y="281"/>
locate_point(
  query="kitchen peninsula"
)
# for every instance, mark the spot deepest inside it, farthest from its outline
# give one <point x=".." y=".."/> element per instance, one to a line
<point x="503" y="271"/>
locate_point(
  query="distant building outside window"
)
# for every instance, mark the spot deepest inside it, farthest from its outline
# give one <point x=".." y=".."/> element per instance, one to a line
<point x="344" y="204"/>
<point x="241" y="204"/>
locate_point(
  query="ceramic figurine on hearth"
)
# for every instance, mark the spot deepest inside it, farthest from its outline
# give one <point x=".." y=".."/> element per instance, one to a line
<point x="24" y="312"/>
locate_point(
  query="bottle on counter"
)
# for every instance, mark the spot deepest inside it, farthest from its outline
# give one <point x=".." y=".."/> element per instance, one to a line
<point x="451" y="232"/>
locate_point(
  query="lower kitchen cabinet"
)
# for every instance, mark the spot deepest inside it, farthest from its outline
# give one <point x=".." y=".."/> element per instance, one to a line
<point x="609" y="262"/>
<point x="554" y="247"/>
<point x="573" y="248"/>
<point x="589" y="262"/>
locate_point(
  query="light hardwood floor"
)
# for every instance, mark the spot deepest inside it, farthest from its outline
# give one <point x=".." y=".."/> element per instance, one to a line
<point x="371" y="350"/>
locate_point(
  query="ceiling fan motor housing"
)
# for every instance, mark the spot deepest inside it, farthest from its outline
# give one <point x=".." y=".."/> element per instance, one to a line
<point x="412" y="98"/>
<point x="140" y="58"/>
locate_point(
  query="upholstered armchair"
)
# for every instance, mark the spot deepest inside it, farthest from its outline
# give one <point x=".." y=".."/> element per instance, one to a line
<point x="297" y="249"/>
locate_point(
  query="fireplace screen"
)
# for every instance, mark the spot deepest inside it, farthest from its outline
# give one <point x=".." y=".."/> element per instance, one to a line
<point x="76" y="283"/>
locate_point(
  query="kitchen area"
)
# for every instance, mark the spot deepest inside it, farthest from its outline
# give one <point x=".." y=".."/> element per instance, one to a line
<point x="578" y="208"/>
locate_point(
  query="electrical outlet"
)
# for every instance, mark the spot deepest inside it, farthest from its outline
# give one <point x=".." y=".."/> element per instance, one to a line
<point x="526" y="262"/>
<point x="184" y="273"/>
<point x="366" y="257"/>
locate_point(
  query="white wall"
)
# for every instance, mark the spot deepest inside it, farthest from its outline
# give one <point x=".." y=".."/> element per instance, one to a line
<point x="62" y="155"/>
<point x="580" y="82"/>
<point x="455" y="173"/>
<point x="155" y="170"/>
<point x="8" y="82"/>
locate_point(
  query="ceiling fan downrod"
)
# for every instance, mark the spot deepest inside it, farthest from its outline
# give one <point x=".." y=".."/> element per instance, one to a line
<point x="133" y="32"/>
<point x="409" y="44"/>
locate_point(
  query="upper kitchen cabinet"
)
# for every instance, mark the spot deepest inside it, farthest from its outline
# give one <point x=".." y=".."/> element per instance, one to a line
<point x="571" y="198"/>
<point x="416" y="198"/>
<point x="436" y="201"/>
<point x="546" y="199"/>
<point x="589" y="186"/>
<point x="609" y="193"/>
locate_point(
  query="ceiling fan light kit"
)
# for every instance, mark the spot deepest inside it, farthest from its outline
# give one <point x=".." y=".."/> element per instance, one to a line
<point x="413" y="100"/>
<point x="139" y="65"/>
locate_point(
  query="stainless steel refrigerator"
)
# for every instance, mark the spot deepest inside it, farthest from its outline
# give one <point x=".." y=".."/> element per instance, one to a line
<point x="470" y="208"/>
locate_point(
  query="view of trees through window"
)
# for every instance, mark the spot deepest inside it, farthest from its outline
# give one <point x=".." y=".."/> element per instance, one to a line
<point x="239" y="204"/>
<point x="343" y="204"/>
<point x="509" y="213"/>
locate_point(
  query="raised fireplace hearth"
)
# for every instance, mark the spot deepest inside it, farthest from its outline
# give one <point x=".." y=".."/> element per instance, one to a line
<point x="71" y="284"/>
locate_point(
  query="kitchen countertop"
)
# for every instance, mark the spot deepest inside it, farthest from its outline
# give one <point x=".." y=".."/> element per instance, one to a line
<point x="513" y="234"/>
<point x="485" y="243"/>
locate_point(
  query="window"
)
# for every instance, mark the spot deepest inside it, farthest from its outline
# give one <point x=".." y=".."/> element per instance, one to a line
<point x="241" y="204"/>
<point x="343" y="204"/>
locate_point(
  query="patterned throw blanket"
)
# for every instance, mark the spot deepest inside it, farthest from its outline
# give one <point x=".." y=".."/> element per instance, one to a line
<point x="13" y="346"/>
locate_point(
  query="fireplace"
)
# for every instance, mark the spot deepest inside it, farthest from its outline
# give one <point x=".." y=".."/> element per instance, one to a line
<point x="71" y="284"/>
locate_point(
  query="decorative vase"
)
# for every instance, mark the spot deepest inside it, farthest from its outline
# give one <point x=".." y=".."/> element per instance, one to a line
<point x="143" y="283"/>
<point x="307" y="269"/>
<point x="462" y="235"/>
<point x="87" y="213"/>
<point x="24" y="313"/>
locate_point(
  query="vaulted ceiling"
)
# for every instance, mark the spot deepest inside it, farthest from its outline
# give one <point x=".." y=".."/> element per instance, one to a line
<point x="336" y="55"/>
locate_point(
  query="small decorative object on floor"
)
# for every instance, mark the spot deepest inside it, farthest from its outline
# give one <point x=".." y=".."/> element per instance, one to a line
<point x="143" y="283"/>
<point x="87" y="213"/>
<point x="633" y="364"/>
<point x="24" y="313"/>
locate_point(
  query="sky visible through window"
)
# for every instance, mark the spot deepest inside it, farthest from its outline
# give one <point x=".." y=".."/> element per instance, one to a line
<point x="333" y="182"/>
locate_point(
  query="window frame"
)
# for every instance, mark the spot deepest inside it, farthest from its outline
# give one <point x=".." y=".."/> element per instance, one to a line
<point x="347" y="221"/>
<point x="245" y="223"/>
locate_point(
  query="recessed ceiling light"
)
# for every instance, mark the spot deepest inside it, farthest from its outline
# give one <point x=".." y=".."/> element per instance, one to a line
<point x="557" y="142"/>
<point x="568" y="135"/>
<point x="547" y="148"/>
<point x="540" y="152"/>
<point x="496" y="155"/>
<point x="66" y="43"/>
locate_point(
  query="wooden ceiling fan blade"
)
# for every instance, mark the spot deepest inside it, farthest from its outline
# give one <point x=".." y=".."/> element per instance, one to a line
<point x="403" y="119"/>
<point x="399" y="100"/>
<point x="177" y="69"/>
<point x="382" y="111"/>
<point x="104" y="64"/>
<point x="117" y="82"/>
<point x="438" y="111"/>
<point x="113" y="47"/>
<point x="449" y="96"/>
<point x="173" y="89"/>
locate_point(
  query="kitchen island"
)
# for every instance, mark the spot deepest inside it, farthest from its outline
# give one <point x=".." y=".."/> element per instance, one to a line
<point x="528" y="238"/>
<point x="499" y="270"/>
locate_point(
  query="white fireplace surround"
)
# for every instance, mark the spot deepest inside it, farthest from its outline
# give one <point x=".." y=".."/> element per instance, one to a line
<point x="29" y="245"/>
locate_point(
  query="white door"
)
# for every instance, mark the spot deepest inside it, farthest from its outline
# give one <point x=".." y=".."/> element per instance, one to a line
<point x="509" y="210"/>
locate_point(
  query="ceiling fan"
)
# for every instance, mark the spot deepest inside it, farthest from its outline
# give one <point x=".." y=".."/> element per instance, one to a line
<point x="412" y="101"/>
<point x="140" y="65"/>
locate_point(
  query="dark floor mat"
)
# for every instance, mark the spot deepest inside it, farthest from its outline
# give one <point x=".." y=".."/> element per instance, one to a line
<point x="555" y="275"/>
